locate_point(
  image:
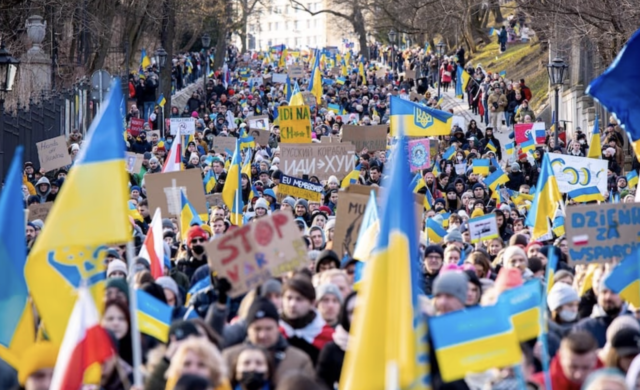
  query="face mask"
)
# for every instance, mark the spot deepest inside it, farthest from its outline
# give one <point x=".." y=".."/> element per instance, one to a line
<point x="459" y="158"/>
<point x="568" y="315"/>
<point x="252" y="380"/>
<point x="197" y="249"/>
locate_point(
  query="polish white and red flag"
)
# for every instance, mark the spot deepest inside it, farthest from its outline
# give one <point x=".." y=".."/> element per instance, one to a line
<point x="174" y="158"/>
<point x="85" y="343"/>
<point x="153" y="247"/>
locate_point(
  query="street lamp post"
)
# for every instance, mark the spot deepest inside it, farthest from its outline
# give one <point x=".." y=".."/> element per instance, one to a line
<point x="392" y="40"/>
<point x="556" y="70"/>
<point x="206" y="42"/>
<point x="8" y="71"/>
<point x="439" y="52"/>
<point x="161" y="61"/>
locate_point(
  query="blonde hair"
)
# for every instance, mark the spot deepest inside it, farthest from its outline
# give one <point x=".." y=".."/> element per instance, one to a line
<point x="206" y="351"/>
<point x="326" y="276"/>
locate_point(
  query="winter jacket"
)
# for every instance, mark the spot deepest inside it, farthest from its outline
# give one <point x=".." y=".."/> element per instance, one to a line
<point x="558" y="379"/>
<point x="310" y="338"/>
<point x="287" y="359"/>
<point x="331" y="358"/>
<point x="597" y="325"/>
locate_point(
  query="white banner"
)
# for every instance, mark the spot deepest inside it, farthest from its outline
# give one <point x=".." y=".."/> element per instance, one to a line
<point x="579" y="172"/>
<point x="182" y="126"/>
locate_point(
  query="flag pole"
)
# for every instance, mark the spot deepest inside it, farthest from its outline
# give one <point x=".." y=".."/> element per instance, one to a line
<point x="133" y="307"/>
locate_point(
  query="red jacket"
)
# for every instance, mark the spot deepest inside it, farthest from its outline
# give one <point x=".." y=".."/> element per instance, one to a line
<point x="558" y="379"/>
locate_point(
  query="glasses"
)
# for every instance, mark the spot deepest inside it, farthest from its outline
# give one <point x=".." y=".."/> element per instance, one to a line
<point x="198" y="241"/>
<point x="434" y="257"/>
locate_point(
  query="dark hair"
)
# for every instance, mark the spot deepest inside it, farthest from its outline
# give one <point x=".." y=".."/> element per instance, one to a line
<point x="535" y="264"/>
<point x="579" y="342"/>
<point x="192" y="382"/>
<point x="344" y="314"/>
<point x="211" y="334"/>
<point x="124" y="345"/>
<point x="270" y="364"/>
<point x="297" y="381"/>
<point x="143" y="202"/>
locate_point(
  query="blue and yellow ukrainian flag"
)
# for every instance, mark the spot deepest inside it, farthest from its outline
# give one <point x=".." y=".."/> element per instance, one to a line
<point x="154" y="316"/>
<point x="474" y="340"/>
<point x="351" y="178"/>
<point x="428" y="200"/>
<point x="70" y="248"/>
<point x="161" y="100"/>
<point x="558" y="226"/>
<point x="491" y="146"/>
<point x="552" y="265"/>
<point x="450" y="153"/>
<point x="435" y="231"/>
<point x="246" y="169"/>
<point x="341" y="80"/>
<point x="17" y="324"/>
<point x="529" y="145"/>
<point x="417" y="183"/>
<point x="368" y="233"/>
<point x="545" y="201"/>
<point x="288" y="89"/>
<point x="282" y="62"/>
<point x="315" y="81"/>
<point x="145" y="62"/>
<point x="296" y="96"/>
<point x="524" y="308"/>
<point x="361" y="73"/>
<point x="418" y="120"/>
<point x="586" y="194"/>
<point x="495" y="179"/>
<point x="436" y="170"/>
<point x="232" y="191"/>
<point x="133" y="211"/>
<point x="624" y="279"/>
<point x="247" y="141"/>
<point x="632" y="179"/>
<point x="510" y="148"/>
<point x="595" y="147"/>
<point x="462" y="82"/>
<point x="188" y="216"/>
<point x="481" y="166"/>
<point x="334" y="107"/>
<point x="209" y="182"/>
<point x="388" y="327"/>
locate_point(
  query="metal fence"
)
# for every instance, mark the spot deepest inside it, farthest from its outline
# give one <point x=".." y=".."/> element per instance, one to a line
<point x="52" y="114"/>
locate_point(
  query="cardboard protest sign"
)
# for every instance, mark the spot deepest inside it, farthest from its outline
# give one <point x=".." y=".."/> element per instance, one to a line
<point x="135" y="126"/>
<point x="161" y="193"/>
<point x="419" y="154"/>
<point x="573" y="173"/>
<point x="182" y="126"/>
<point x="483" y="228"/>
<point x="295" y="71"/>
<point x="133" y="162"/>
<point x="214" y="200"/>
<point x="321" y="160"/>
<point x="329" y="140"/>
<point x="413" y="96"/>
<point x="221" y="143"/>
<point x="371" y="137"/>
<point x="602" y="233"/>
<point x="254" y="253"/>
<point x="299" y="188"/>
<point x="309" y="99"/>
<point x="336" y="71"/>
<point x="381" y="73"/>
<point x="295" y="124"/>
<point x="409" y="74"/>
<point x="53" y="153"/>
<point x="459" y="120"/>
<point x="260" y="136"/>
<point x="39" y="211"/>
<point x="153" y="133"/>
<point x="279" y="78"/>
<point x="352" y="201"/>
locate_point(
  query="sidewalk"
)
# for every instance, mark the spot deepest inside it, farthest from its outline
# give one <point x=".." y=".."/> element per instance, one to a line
<point x="181" y="97"/>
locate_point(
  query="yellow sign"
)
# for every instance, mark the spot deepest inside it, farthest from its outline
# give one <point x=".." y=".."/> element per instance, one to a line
<point x="295" y="124"/>
<point x="299" y="193"/>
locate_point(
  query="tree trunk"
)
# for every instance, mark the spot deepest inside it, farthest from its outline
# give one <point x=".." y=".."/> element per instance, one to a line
<point x="167" y="36"/>
<point x="360" y="29"/>
<point x="494" y="6"/>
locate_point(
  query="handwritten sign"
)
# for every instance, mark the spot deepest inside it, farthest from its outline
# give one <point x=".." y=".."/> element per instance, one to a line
<point x="602" y="233"/>
<point x="160" y="192"/>
<point x="221" y="143"/>
<point x="214" y="200"/>
<point x="258" y="122"/>
<point x="39" y="211"/>
<point x="483" y="228"/>
<point x="321" y="160"/>
<point x="279" y="78"/>
<point x="574" y="173"/>
<point x="53" y="153"/>
<point x="419" y="153"/>
<point x="295" y="124"/>
<point x="295" y="71"/>
<point x="250" y="255"/>
<point x="299" y="188"/>
<point x="352" y="201"/>
<point x="372" y="138"/>
<point x="135" y="126"/>
<point x="182" y="126"/>
<point x="309" y="99"/>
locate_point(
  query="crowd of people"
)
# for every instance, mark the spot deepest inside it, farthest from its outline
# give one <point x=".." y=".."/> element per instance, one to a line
<point x="292" y="331"/>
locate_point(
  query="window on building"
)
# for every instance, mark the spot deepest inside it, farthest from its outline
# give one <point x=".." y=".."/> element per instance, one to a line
<point x="315" y="23"/>
<point x="252" y="27"/>
<point x="298" y="42"/>
<point x="308" y="23"/>
<point x="269" y="26"/>
<point x="287" y="9"/>
<point x="276" y="26"/>
<point x="297" y="25"/>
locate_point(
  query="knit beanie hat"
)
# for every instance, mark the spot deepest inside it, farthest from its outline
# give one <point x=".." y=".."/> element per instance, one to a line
<point x="42" y="354"/>
<point x="561" y="294"/>
<point x="120" y="284"/>
<point x="261" y="203"/>
<point x="453" y="236"/>
<point x="304" y="203"/>
<point x="195" y="232"/>
<point x="477" y="213"/>
<point x="170" y="284"/>
<point x="271" y="286"/>
<point x="511" y="251"/>
<point x="290" y="201"/>
<point x="117" y="266"/>
<point x="333" y="179"/>
<point x="561" y="274"/>
<point x="453" y="283"/>
<point x="302" y="286"/>
<point x="262" y="308"/>
<point x="434" y="248"/>
<point x="328" y="289"/>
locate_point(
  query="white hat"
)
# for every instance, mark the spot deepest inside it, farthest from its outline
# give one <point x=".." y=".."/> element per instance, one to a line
<point x="116" y="266"/>
<point x="261" y="203"/>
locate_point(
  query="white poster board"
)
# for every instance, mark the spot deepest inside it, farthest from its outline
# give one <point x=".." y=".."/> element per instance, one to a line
<point x="182" y="126"/>
<point x="573" y="172"/>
